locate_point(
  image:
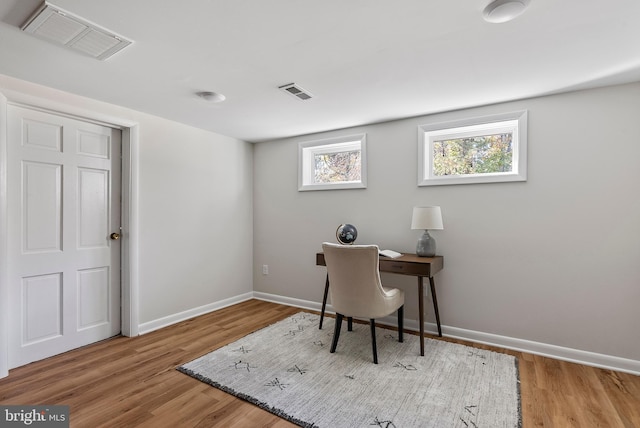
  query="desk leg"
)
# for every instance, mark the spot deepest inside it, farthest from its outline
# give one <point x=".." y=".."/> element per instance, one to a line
<point x="324" y="301"/>
<point x="421" y="314"/>
<point x="435" y="303"/>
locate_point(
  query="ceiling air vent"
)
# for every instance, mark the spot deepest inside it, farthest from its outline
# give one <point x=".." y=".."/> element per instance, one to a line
<point x="296" y="91"/>
<point x="62" y="27"/>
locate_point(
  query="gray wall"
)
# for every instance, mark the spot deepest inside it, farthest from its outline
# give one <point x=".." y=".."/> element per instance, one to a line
<point x="553" y="260"/>
<point x="195" y="218"/>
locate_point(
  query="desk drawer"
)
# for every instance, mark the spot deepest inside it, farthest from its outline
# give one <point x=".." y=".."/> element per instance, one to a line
<point x="419" y="269"/>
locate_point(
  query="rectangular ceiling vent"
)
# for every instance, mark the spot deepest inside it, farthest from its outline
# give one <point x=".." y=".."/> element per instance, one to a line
<point x="296" y="91"/>
<point x="62" y="27"/>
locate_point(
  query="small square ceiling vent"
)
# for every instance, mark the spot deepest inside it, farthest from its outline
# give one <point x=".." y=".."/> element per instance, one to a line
<point x="296" y="91"/>
<point x="72" y="31"/>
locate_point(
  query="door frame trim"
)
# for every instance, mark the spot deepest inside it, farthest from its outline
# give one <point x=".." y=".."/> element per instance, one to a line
<point x="129" y="209"/>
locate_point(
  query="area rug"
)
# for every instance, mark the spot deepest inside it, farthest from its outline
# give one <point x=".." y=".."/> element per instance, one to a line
<point x="286" y="368"/>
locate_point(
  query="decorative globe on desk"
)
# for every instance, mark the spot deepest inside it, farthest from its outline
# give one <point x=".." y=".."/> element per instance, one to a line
<point x="346" y="234"/>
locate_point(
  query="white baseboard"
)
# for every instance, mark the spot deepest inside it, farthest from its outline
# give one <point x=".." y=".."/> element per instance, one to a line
<point x="578" y="356"/>
<point x="290" y="301"/>
<point x="552" y="351"/>
<point x="150" y="326"/>
<point x="412" y="325"/>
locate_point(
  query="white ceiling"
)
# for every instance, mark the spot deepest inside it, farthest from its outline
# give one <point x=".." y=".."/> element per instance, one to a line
<point x="364" y="61"/>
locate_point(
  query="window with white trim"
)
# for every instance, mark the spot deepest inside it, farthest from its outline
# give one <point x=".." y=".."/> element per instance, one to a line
<point x="479" y="150"/>
<point x="334" y="163"/>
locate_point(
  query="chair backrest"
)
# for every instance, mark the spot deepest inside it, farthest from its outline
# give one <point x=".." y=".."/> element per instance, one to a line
<point x="354" y="277"/>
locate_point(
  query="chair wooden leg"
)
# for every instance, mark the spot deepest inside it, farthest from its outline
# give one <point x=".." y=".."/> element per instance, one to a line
<point x="336" y="333"/>
<point x="324" y="301"/>
<point x="373" y="341"/>
<point x="350" y="324"/>
<point x="400" y="322"/>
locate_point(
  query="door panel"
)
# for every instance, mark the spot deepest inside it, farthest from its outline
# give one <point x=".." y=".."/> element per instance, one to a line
<point x="64" y="202"/>
<point x="42" y="135"/>
<point x="93" y="297"/>
<point x="92" y="144"/>
<point x="41" y="205"/>
<point x="93" y="208"/>
<point x="41" y="308"/>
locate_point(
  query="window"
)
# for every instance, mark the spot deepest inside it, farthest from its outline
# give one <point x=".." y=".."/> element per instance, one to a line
<point x="480" y="150"/>
<point x="336" y="163"/>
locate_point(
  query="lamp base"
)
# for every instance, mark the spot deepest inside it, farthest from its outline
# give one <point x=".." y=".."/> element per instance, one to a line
<point x="426" y="246"/>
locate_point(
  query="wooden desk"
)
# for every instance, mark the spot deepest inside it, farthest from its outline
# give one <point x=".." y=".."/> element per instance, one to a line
<point x="407" y="264"/>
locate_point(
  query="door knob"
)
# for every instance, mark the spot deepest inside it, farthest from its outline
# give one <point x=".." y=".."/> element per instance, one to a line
<point x="115" y="236"/>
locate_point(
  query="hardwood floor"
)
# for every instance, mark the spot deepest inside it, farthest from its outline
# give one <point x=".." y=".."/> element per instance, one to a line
<point x="132" y="382"/>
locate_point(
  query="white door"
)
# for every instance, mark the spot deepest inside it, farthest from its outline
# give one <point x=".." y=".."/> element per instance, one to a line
<point x="63" y="180"/>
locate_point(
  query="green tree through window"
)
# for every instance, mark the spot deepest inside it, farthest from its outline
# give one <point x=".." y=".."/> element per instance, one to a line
<point x="333" y="163"/>
<point x="474" y="155"/>
<point x="337" y="167"/>
<point x="484" y="149"/>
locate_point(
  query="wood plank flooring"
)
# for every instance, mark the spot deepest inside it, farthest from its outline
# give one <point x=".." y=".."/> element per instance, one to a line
<point x="132" y="382"/>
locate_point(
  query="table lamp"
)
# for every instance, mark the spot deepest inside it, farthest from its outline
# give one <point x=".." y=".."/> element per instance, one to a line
<point x="426" y="218"/>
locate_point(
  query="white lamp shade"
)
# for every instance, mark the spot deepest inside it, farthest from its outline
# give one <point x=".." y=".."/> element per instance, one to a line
<point x="427" y="218"/>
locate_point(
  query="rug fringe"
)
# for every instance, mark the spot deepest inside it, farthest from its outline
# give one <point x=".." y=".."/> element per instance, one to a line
<point x="278" y="412"/>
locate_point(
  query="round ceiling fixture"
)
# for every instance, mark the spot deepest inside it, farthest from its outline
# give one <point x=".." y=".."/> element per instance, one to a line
<point x="500" y="11"/>
<point x="213" y="97"/>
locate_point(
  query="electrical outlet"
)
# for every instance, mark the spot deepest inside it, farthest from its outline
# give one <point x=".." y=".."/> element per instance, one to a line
<point x="265" y="269"/>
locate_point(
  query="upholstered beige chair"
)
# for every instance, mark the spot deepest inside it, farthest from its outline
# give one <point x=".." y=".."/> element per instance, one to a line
<point x="356" y="290"/>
